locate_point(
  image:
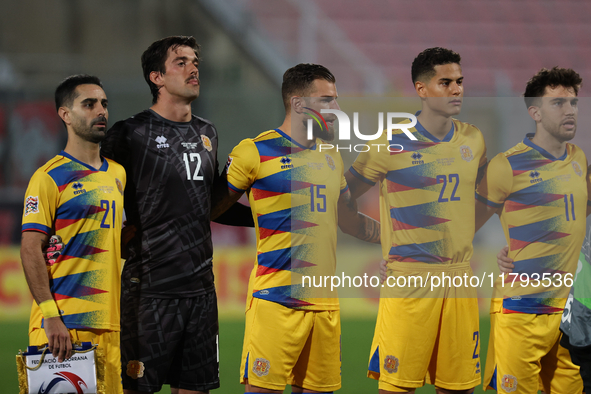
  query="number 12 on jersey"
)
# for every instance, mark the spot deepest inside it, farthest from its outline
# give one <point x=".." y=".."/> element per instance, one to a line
<point x="193" y="157"/>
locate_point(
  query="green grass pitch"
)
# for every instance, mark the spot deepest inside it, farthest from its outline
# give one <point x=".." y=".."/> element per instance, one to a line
<point x="356" y="341"/>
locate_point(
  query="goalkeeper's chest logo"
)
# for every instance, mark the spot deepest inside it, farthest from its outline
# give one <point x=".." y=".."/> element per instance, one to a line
<point x="161" y="142"/>
<point x="261" y="367"/>
<point x="32" y="205"/>
<point x="206" y="142"/>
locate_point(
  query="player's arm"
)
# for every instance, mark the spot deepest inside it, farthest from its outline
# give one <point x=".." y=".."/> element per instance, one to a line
<point x="356" y="223"/>
<point x="225" y="208"/>
<point x="238" y="175"/>
<point x="493" y="189"/>
<point x="357" y="186"/>
<point x="36" y="273"/>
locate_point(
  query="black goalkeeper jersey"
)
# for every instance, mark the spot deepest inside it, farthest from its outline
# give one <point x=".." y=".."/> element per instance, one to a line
<point x="171" y="167"/>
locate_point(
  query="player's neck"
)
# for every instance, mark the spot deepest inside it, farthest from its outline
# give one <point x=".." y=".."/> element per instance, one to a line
<point x="84" y="151"/>
<point x="297" y="134"/>
<point x="549" y="143"/>
<point x="436" y="124"/>
<point x="172" y="110"/>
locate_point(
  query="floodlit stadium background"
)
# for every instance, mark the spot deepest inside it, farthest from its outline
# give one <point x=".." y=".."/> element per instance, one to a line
<point x="246" y="47"/>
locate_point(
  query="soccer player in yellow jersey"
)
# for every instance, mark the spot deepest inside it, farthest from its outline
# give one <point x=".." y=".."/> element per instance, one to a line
<point x="297" y="194"/>
<point x="427" y="218"/>
<point x="539" y="188"/>
<point x="77" y="195"/>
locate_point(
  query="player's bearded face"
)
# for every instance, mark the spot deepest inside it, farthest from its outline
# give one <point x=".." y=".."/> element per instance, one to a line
<point x="322" y="96"/>
<point x="559" y="110"/>
<point x="181" y="78"/>
<point x="89" y="114"/>
<point x="443" y="93"/>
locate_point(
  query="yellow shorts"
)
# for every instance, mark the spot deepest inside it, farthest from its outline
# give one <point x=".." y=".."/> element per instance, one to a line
<point x="433" y="339"/>
<point x="108" y="340"/>
<point x="524" y="356"/>
<point x="291" y="346"/>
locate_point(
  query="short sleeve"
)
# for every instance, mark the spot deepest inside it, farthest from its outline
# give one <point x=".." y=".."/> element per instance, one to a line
<point x="242" y="166"/>
<point x="495" y="186"/>
<point x="372" y="165"/>
<point x="41" y="200"/>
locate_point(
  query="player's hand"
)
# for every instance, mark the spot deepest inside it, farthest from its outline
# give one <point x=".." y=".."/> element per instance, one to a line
<point x="383" y="270"/>
<point x="127" y="234"/>
<point x="53" y="250"/>
<point x="58" y="338"/>
<point x="504" y="262"/>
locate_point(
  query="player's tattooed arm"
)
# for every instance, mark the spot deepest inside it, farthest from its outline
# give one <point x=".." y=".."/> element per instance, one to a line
<point x="356" y="223"/>
<point x="36" y="273"/>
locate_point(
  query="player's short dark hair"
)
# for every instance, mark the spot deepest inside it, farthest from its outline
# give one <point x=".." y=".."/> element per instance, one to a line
<point x="298" y="80"/>
<point x="65" y="93"/>
<point x="557" y="76"/>
<point x="154" y="58"/>
<point x="423" y="67"/>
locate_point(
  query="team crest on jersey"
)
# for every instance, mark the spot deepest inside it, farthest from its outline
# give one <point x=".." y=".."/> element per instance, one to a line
<point x="330" y="161"/>
<point x="119" y="185"/>
<point x="229" y="163"/>
<point x="161" y="141"/>
<point x="135" y="369"/>
<point x="32" y="205"/>
<point x="577" y="168"/>
<point x="391" y="364"/>
<point x="261" y="367"/>
<point x="206" y="142"/>
<point x="509" y="383"/>
<point x="466" y="153"/>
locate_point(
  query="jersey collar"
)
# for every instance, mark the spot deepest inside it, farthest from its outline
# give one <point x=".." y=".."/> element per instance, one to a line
<point x="527" y="141"/>
<point x="424" y="132"/>
<point x="294" y="142"/>
<point x="103" y="168"/>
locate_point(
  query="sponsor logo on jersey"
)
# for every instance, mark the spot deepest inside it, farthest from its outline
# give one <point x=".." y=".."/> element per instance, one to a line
<point x="32" y="205"/>
<point x="75" y="380"/>
<point x="477" y="366"/>
<point x="206" y="143"/>
<point x="509" y="383"/>
<point x="229" y="163"/>
<point x="391" y="364"/>
<point x="286" y="163"/>
<point x="119" y="185"/>
<point x="577" y="168"/>
<point x="264" y="292"/>
<point x="466" y="153"/>
<point x="535" y="176"/>
<point x="161" y="141"/>
<point x="189" y="145"/>
<point x="330" y="161"/>
<point x="416" y="158"/>
<point x="261" y="367"/>
<point x="78" y="188"/>
<point x="135" y="369"/>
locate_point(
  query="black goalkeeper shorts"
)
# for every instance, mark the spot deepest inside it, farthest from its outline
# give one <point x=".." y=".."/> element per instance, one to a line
<point x="169" y="341"/>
